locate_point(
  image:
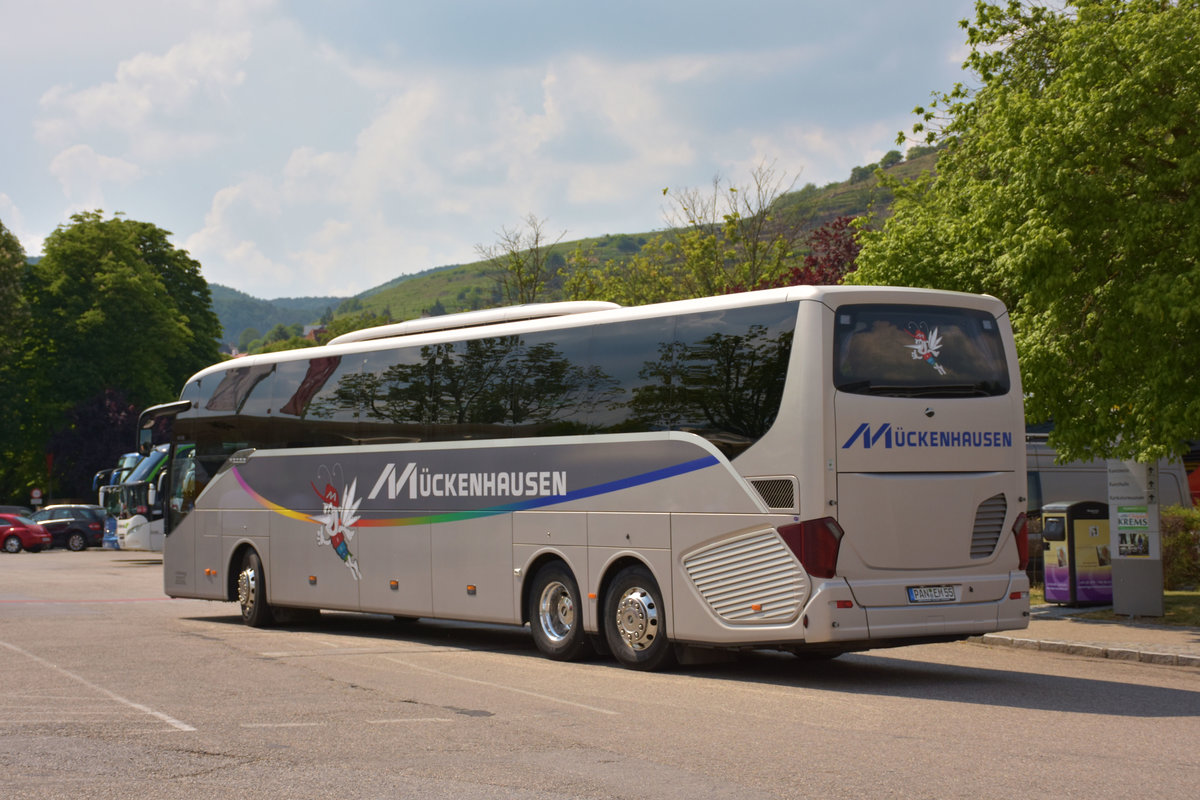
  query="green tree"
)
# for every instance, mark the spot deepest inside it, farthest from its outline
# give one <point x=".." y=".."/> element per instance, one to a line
<point x="113" y="305"/>
<point x="248" y="336"/>
<point x="16" y="312"/>
<point x="653" y="275"/>
<point x="729" y="238"/>
<point x="1067" y="187"/>
<point x="16" y="316"/>
<point x="521" y="261"/>
<point x="278" y="333"/>
<point x="726" y="239"/>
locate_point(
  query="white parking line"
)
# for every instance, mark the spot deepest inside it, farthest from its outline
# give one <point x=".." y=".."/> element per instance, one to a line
<point x="174" y="723"/>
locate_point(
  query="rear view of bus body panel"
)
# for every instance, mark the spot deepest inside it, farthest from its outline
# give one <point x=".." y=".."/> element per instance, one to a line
<point x="928" y="492"/>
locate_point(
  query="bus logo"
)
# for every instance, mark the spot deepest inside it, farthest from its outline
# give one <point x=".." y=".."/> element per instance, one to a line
<point x="869" y="439"/>
<point x="889" y="438"/>
<point x="928" y="345"/>
<point x="340" y="515"/>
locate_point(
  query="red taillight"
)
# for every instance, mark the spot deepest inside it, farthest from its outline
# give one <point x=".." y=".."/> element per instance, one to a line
<point x="1020" y="531"/>
<point x="815" y="542"/>
<point x="95" y="526"/>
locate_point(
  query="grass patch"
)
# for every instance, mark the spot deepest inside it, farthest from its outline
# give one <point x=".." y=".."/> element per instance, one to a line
<point x="1179" y="608"/>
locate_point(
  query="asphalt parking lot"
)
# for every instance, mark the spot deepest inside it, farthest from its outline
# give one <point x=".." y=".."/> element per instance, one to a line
<point x="113" y="690"/>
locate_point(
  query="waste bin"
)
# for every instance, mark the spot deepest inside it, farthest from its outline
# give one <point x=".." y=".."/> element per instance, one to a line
<point x="1077" y="557"/>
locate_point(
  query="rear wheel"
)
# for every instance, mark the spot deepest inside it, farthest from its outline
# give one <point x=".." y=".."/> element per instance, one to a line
<point x="252" y="592"/>
<point x="635" y="621"/>
<point x="555" y="613"/>
<point x="12" y="545"/>
<point x="76" y="541"/>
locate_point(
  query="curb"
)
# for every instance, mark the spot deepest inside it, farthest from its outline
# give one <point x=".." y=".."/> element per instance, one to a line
<point x="1091" y="650"/>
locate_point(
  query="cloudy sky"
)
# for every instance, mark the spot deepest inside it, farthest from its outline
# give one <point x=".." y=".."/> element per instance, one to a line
<point x="322" y="148"/>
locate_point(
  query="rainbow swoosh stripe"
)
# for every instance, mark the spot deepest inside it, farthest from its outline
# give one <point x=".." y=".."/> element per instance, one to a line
<point x="506" y="508"/>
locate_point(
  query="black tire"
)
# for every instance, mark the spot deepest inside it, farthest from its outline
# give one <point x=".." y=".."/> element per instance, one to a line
<point x="12" y="544"/>
<point x="252" y="593"/>
<point x="76" y="541"/>
<point x="634" y="621"/>
<point x="556" y="613"/>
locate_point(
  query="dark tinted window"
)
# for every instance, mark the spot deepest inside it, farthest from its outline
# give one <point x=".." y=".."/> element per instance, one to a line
<point x="733" y="365"/>
<point x="719" y="374"/>
<point x="918" y="351"/>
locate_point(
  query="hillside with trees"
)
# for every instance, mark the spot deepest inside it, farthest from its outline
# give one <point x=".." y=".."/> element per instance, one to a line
<point x="585" y="268"/>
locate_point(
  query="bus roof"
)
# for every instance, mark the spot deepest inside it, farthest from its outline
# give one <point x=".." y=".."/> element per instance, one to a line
<point x="471" y="319"/>
<point x="517" y="320"/>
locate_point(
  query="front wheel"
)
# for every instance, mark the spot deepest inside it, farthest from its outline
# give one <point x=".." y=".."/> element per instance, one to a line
<point x="76" y="541"/>
<point x="556" y="614"/>
<point x="12" y="545"/>
<point x="252" y="593"/>
<point x="635" y="621"/>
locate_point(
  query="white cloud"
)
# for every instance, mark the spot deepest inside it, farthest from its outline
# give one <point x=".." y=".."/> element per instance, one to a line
<point x="14" y="220"/>
<point x="83" y="172"/>
<point x="302" y="149"/>
<point x="148" y="97"/>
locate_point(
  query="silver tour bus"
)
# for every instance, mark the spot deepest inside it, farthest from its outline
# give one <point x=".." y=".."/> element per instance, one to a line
<point x="811" y="469"/>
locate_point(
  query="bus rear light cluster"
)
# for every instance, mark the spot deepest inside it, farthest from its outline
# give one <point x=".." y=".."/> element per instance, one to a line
<point x="816" y="543"/>
<point x="1020" y="531"/>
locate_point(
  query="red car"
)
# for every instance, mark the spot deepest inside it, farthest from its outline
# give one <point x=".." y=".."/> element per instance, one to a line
<point x="17" y="532"/>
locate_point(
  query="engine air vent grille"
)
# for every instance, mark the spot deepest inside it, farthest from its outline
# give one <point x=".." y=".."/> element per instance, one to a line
<point x="778" y="493"/>
<point x="748" y="579"/>
<point x="989" y="524"/>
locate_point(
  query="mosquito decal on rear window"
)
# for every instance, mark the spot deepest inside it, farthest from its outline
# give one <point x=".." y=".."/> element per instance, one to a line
<point x="928" y="345"/>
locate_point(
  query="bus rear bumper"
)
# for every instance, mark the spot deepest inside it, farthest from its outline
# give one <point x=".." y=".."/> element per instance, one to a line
<point x="917" y="621"/>
<point x="831" y="615"/>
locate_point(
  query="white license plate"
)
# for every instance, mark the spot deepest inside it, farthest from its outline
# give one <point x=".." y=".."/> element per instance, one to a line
<point x="931" y="594"/>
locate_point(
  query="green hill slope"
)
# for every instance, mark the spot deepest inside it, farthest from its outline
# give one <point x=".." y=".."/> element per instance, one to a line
<point x="464" y="287"/>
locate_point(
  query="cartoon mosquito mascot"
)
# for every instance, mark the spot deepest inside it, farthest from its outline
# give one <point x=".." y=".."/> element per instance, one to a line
<point x="339" y="517"/>
<point x="928" y="345"/>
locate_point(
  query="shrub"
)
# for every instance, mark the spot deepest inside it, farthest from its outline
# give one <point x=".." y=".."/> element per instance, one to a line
<point x="1180" y="528"/>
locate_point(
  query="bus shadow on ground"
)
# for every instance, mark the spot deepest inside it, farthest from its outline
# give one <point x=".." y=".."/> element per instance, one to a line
<point x="868" y="673"/>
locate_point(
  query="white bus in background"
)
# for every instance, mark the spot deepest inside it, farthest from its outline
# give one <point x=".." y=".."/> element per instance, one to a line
<point x="139" y="504"/>
<point x="811" y="469"/>
<point x="1077" y="481"/>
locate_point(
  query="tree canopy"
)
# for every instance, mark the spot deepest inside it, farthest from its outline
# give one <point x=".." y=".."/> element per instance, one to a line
<point x="112" y="306"/>
<point x="1067" y="187"/>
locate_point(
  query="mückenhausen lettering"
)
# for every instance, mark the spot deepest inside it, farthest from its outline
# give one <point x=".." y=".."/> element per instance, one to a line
<point x="420" y="482"/>
<point x="887" y="437"/>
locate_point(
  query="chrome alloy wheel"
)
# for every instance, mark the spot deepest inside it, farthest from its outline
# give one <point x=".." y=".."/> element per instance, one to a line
<point x="556" y="612"/>
<point x="637" y="618"/>
<point x="247" y="588"/>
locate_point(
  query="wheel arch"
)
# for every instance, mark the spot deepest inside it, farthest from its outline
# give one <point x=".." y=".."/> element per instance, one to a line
<point x="236" y="556"/>
<point x="531" y="570"/>
<point x="611" y="571"/>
